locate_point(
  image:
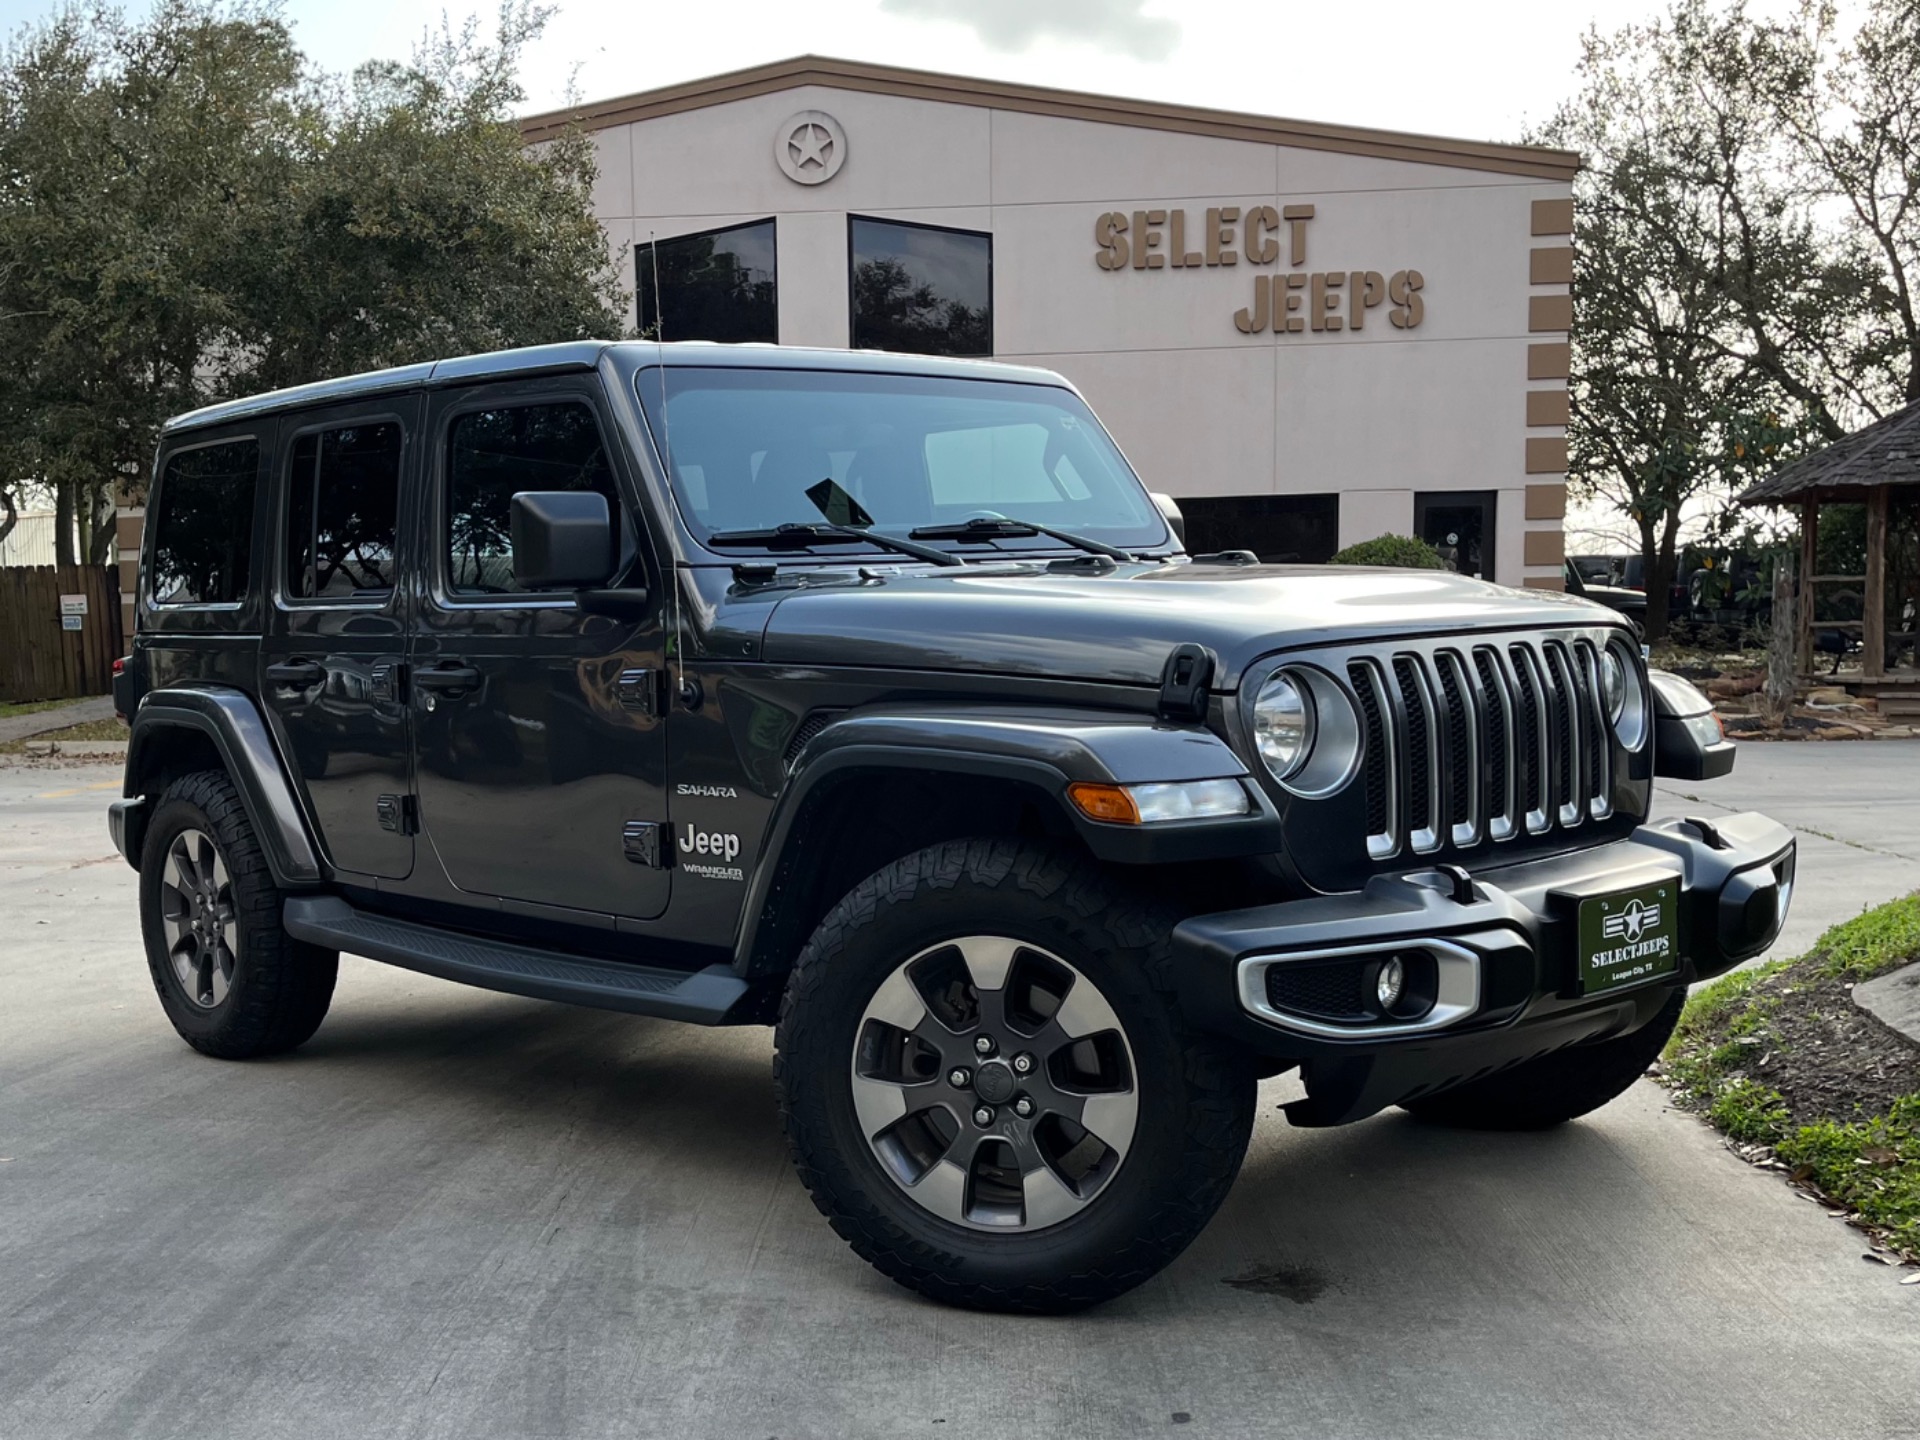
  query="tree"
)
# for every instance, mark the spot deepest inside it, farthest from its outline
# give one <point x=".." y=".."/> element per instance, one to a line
<point x="188" y="211"/>
<point x="1695" y="272"/>
<point x="1850" y="110"/>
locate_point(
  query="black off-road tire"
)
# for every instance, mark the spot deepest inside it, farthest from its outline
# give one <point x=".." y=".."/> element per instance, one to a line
<point x="1555" y="1088"/>
<point x="1196" y="1095"/>
<point x="280" y="987"/>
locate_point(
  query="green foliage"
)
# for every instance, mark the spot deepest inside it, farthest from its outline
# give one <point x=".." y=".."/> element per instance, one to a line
<point x="1868" y="944"/>
<point x="1872" y="1167"/>
<point x="1871" y="1164"/>
<point x="1403" y="551"/>
<point x="1749" y="1111"/>
<point x="188" y="211"/>
<point x="1746" y="252"/>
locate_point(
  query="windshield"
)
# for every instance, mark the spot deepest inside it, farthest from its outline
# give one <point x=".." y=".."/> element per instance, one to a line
<point x="914" y="451"/>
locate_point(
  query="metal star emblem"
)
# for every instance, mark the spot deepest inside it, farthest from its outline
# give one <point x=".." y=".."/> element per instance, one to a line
<point x="809" y="145"/>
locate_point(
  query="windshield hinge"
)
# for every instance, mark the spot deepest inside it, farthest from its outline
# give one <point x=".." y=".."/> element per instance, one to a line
<point x="1186" y="683"/>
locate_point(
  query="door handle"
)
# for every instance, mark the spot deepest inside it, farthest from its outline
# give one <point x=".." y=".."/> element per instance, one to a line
<point x="447" y="677"/>
<point x="296" y="672"/>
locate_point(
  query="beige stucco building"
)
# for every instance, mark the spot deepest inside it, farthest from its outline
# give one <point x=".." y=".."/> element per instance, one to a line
<point x="1308" y="334"/>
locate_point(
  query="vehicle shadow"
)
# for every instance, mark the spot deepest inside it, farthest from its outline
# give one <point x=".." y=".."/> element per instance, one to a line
<point x="1316" y="1214"/>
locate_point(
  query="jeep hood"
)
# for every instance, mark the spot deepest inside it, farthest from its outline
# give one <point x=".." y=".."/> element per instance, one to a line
<point x="1118" y="627"/>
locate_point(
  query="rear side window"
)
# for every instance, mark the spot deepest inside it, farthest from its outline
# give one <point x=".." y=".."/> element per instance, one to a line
<point x="203" y="525"/>
<point x="495" y="454"/>
<point x="343" y="498"/>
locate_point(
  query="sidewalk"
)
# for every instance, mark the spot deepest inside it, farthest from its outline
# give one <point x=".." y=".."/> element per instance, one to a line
<point x="22" y="727"/>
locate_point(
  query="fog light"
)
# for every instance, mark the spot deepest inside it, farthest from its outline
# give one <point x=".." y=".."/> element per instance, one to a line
<point x="1391" y="984"/>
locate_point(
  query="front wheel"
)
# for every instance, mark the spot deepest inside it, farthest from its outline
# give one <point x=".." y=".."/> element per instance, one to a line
<point x="232" y="981"/>
<point x="1555" y="1088"/>
<point x="989" y="1088"/>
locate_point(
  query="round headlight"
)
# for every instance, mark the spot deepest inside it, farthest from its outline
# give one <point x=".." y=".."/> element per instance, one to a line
<point x="1283" y="725"/>
<point x="1613" y="684"/>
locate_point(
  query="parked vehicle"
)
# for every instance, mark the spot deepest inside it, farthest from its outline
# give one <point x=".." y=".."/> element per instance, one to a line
<point x="876" y="697"/>
<point x="1630" y="603"/>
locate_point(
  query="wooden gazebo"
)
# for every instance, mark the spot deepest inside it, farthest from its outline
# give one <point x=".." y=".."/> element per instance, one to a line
<point x="1878" y="467"/>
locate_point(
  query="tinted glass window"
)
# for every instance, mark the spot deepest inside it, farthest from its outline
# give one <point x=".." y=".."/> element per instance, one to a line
<point x="921" y="291"/>
<point x="716" y="286"/>
<point x="1280" y="529"/>
<point x="495" y="454"/>
<point x="203" y="527"/>
<point x="914" y="451"/>
<point x="343" y="496"/>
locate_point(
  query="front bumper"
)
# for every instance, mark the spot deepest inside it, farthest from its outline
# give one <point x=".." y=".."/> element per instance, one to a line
<point x="1505" y="944"/>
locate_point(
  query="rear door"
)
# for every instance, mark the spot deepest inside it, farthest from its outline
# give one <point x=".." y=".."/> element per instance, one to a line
<point x="540" y="753"/>
<point x="332" y="662"/>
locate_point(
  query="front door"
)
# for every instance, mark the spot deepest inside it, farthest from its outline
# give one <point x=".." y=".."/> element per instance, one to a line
<point x="335" y="637"/>
<point x="539" y="747"/>
<point x="1459" y="524"/>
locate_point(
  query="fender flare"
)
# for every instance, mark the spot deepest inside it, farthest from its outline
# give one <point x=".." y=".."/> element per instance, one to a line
<point x="1044" y="749"/>
<point x="231" y="720"/>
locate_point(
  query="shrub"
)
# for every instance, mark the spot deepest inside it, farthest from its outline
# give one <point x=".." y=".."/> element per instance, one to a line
<point x="1398" y="550"/>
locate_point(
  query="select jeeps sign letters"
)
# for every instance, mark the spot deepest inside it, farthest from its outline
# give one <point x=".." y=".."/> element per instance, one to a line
<point x="1287" y="302"/>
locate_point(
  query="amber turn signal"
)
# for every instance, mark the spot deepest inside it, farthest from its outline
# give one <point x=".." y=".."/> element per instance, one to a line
<point x="1111" y="803"/>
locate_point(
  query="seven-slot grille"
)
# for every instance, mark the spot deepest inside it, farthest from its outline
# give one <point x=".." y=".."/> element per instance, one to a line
<point x="1481" y="741"/>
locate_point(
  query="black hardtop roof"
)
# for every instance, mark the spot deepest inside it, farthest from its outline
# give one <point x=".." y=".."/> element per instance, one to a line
<point x="585" y="355"/>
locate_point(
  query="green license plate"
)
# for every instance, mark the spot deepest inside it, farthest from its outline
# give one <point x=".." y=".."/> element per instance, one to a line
<point x="1629" y="937"/>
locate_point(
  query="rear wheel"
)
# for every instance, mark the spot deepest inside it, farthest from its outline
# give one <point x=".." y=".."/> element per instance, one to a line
<point x="988" y="1085"/>
<point x="234" y="984"/>
<point x="1558" y="1087"/>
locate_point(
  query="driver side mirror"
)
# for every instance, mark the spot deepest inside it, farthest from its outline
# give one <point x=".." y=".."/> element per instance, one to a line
<point x="1170" y="512"/>
<point x="562" y="539"/>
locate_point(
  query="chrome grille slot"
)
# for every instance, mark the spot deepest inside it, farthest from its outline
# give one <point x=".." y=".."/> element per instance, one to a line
<point x="1486" y="742"/>
<point x="1498" y="719"/>
<point x="1421" y="798"/>
<point x="1381" y="836"/>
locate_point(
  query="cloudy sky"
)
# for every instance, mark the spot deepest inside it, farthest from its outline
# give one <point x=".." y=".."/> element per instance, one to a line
<point x="1481" y="70"/>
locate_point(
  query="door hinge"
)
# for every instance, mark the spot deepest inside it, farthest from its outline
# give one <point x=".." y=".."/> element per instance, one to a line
<point x="398" y="813"/>
<point x="643" y="691"/>
<point x="648" y="843"/>
<point x="388" y="682"/>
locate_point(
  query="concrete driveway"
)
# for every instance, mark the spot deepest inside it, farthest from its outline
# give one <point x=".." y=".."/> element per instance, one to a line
<point x="469" y="1215"/>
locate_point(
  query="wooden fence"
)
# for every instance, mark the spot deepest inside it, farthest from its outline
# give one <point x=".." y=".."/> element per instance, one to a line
<point x="41" y="660"/>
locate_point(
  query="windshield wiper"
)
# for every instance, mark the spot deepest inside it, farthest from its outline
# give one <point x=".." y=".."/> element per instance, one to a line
<point x="800" y="535"/>
<point x="983" y="527"/>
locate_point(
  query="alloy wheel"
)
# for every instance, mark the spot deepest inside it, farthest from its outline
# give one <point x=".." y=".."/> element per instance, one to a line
<point x="994" y="1084"/>
<point x="196" y="899"/>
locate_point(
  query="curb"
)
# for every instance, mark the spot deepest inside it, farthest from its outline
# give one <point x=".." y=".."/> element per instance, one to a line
<point x="1894" y="1000"/>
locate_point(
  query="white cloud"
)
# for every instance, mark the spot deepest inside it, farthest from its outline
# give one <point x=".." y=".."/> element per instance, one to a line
<point x="1012" y="26"/>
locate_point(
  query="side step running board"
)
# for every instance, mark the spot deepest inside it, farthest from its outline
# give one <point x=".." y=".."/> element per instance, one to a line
<point x="704" y="997"/>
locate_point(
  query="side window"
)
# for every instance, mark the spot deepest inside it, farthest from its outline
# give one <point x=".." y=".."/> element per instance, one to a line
<point x="494" y="454"/>
<point x="343" y="499"/>
<point x="203" y="526"/>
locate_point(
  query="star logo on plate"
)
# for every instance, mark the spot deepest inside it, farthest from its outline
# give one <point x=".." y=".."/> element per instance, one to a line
<point x="1633" y="921"/>
<point x="810" y="147"/>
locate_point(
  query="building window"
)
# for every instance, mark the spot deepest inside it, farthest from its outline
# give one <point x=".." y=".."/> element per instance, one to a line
<point x="203" y="525"/>
<point x="492" y="455"/>
<point x="920" y="289"/>
<point x="718" y="285"/>
<point x="343" y="497"/>
<point x="1280" y="529"/>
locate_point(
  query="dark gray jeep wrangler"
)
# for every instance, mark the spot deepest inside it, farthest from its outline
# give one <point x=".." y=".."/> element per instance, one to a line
<point x="876" y="697"/>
